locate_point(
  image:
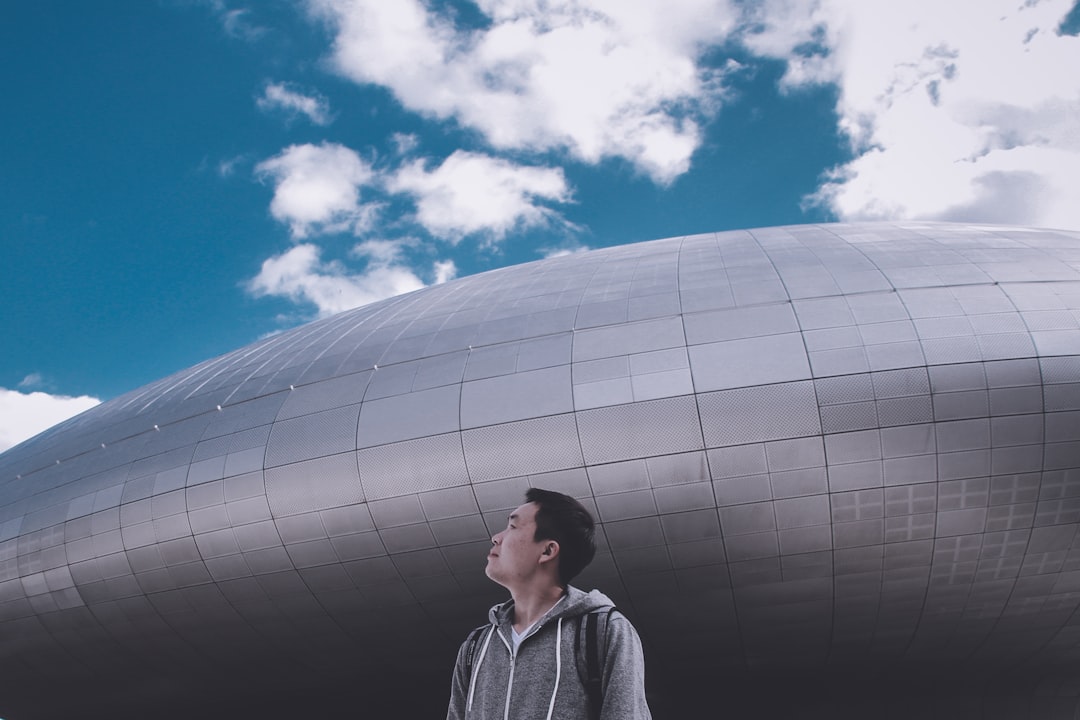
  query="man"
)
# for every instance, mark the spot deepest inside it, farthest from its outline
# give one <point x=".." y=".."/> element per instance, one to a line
<point x="527" y="663"/>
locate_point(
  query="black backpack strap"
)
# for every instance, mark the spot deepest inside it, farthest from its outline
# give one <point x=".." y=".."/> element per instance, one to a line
<point x="470" y="651"/>
<point x="594" y="665"/>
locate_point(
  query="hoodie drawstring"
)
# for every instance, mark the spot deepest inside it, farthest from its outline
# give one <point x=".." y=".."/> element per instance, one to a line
<point x="476" y="670"/>
<point x="558" y="667"/>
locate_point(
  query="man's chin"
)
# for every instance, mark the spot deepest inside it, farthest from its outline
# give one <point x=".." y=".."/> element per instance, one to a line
<point x="493" y="574"/>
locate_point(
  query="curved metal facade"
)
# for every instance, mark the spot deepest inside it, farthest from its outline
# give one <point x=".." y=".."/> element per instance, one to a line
<point x="814" y="451"/>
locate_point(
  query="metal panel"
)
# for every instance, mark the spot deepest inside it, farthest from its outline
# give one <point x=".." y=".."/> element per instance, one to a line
<point x="440" y="370"/>
<point x="683" y="498"/>
<point x="516" y="397"/>
<point x="449" y="503"/>
<point x="823" y="313"/>
<point x="539" y="445"/>
<point x="317" y="484"/>
<point x="735" y="417"/>
<point x="749" y="362"/>
<point x="601" y="393"/>
<point x="312" y="436"/>
<point x="408" y="416"/>
<point x="427" y="463"/>
<point x="734" y="324"/>
<point x="325" y="395"/>
<point x="546" y="351"/>
<point x="638" y="430"/>
<point x="388" y="380"/>
<point x="628" y="338"/>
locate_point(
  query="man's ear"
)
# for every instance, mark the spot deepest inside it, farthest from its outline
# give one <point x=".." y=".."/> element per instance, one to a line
<point x="550" y="551"/>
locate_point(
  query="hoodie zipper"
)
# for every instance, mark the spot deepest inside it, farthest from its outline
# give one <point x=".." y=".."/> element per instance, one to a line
<point x="510" y="682"/>
<point x="513" y="662"/>
<point x="513" y="658"/>
<point x="509" y="688"/>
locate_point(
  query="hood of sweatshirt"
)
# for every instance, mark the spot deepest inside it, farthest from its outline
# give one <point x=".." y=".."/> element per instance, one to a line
<point x="574" y="603"/>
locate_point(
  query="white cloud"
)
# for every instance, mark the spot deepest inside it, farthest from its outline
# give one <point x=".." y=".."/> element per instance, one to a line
<point x="404" y="143"/>
<point x="960" y="111"/>
<point x="301" y="276"/>
<point x="554" y="252"/>
<point x="599" y="78"/>
<point x="227" y="167"/>
<point x="445" y="271"/>
<point x="279" y="96"/>
<point x="317" y="189"/>
<point x="382" y="251"/>
<point x="236" y="22"/>
<point x="33" y="380"/>
<point x="24" y="415"/>
<point x="471" y="193"/>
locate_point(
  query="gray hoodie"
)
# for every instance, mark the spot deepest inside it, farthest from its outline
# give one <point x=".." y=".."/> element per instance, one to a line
<point x="541" y="680"/>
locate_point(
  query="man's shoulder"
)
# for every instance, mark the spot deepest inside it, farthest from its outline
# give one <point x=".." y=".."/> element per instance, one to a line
<point x="476" y="632"/>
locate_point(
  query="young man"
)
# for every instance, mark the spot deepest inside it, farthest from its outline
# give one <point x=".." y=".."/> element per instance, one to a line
<point x="528" y="662"/>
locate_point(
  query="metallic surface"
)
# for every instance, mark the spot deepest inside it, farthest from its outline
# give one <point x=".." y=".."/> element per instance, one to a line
<point x="842" y="457"/>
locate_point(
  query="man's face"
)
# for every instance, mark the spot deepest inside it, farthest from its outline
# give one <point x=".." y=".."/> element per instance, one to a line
<point x="515" y="555"/>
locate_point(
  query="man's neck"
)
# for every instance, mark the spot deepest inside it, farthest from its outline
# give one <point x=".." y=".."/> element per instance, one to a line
<point x="532" y="605"/>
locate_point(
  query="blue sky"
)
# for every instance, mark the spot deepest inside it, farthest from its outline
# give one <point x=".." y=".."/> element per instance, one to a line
<point x="182" y="177"/>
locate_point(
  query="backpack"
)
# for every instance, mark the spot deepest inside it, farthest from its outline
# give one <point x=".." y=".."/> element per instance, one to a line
<point x="592" y="677"/>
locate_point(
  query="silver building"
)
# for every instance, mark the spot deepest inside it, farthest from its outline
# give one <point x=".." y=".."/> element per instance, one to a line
<point x="837" y="470"/>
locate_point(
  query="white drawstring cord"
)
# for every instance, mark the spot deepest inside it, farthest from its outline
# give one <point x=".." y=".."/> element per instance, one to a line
<point x="558" y="667"/>
<point x="476" y="669"/>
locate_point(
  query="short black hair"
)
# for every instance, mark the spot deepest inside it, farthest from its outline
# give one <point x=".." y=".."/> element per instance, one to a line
<point x="566" y="521"/>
